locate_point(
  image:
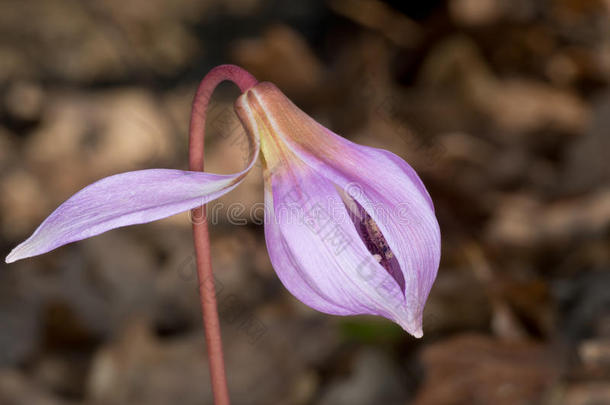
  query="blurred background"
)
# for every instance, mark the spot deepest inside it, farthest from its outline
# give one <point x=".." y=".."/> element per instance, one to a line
<point x="502" y="107"/>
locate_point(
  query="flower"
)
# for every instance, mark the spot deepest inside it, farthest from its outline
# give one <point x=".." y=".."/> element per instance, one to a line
<point x="350" y="229"/>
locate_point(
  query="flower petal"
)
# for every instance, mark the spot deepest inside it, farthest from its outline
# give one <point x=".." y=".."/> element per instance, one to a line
<point x="384" y="185"/>
<point x="404" y="215"/>
<point x="318" y="254"/>
<point x="127" y="199"/>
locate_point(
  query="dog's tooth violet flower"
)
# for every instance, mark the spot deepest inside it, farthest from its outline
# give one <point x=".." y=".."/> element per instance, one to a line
<point x="350" y="229"/>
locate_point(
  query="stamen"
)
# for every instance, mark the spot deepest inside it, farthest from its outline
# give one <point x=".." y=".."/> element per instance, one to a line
<point x="373" y="238"/>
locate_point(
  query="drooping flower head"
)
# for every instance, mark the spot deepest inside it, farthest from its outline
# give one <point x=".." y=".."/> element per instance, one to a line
<point x="350" y="229"/>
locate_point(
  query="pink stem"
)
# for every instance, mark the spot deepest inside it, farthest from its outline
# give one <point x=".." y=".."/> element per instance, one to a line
<point x="201" y="237"/>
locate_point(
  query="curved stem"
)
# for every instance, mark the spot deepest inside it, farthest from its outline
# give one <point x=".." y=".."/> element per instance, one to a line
<point x="237" y="75"/>
<point x="201" y="237"/>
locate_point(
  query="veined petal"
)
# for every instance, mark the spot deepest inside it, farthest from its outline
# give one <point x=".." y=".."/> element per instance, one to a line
<point x="403" y="214"/>
<point x="385" y="187"/>
<point x="318" y="254"/>
<point x="299" y="283"/>
<point x="127" y="199"/>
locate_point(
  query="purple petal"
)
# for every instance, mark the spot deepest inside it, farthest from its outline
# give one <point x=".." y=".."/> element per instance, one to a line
<point x="320" y="257"/>
<point x="288" y="267"/>
<point x="382" y="184"/>
<point x="126" y="199"/>
<point x="395" y="201"/>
